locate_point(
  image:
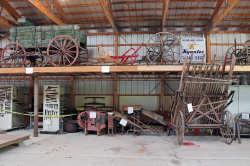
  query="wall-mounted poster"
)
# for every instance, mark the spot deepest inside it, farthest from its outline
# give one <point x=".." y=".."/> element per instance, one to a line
<point x="193" y="47"/>
<point x="51" y="108"/>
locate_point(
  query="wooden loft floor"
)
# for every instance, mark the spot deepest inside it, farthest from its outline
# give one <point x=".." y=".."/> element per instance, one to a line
<point x="98" y="69"/>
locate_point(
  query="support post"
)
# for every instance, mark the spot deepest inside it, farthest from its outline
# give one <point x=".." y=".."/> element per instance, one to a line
<point x="115" y="97"/>
<point x="116" y="43"/>
<point x="162" y="96"/>
<point x="36" y="105"/>
<point x="72" y="94"/>
<point x="208" y="44"/>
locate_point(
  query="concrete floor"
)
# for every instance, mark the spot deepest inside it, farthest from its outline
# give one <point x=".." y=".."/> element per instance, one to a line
<point x="77" y="149"/>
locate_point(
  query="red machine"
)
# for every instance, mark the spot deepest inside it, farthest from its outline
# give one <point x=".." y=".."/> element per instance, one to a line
<point x="129" y="56"/>
<point x="92" y="120"/>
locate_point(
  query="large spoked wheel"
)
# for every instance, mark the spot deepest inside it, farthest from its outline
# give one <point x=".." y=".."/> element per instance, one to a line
<point x="226" y="131"/>
<point x="13" y="55"/>
<point x="63" y="50"/>
<point x="180" y="128"/>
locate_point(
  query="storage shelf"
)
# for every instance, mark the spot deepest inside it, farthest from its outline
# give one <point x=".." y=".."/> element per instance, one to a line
<point x="98" y="69"/>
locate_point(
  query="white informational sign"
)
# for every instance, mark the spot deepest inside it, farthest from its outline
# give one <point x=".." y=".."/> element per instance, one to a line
<point x="51" y="108"/>
<point x="105" y="69"/>
<point x="245" y="116"/>
<point x="29" y="70"/>
<point x="123" y="122"/>
<point x="130" y="110"/>
<point x="190" y="107"/>
<point x="6" y="104"/>
<point x="92" y="114"/>
<point x="193" y="47"/>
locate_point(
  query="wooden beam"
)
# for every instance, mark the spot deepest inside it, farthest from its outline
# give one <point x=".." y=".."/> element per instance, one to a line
<point x="36" y="105"/>
<point x="115" y="93"/>
<point x="38" y="4"/>
<point x="12" y="11"/>
<point x="162" y="96"/>
<point x="220" y="16"/>
<point x="72" y="96"/>
<point x="116" y="44"/>
<point x="165" y="12"/>
<point x="108" y="14"/>
<point x="208" y="48"/>
<point x="60" y="10"/>
<point x="215" y="12"/>
<point x="6" y="22"/>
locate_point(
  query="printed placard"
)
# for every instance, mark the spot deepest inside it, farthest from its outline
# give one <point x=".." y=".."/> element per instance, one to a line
<point x="29" y="70"/>
<point x="130" y="110"/>
<point x="245" y="116"/>
<point x="51" y="107"/>
<point x="92" y="114"/>
<point x="193" y="47"/>
<point x="123" y="122"/>
<point x="190" y="107"/>
<point x="105" y="69"/>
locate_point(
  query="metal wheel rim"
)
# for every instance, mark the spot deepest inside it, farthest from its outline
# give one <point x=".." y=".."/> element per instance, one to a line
<point x="64" y="49"/>
<point x="19" y="57"/>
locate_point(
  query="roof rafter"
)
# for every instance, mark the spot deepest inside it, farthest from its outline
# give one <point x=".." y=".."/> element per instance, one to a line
<point x="219" y="16"/>
<point x="6" y="22"/>
<point x="108" y="14"/>
<point x="215" y="12"/>
<point x="38" y="4"/>
<point x="12" y="11"/>
<point x="165" y="12"/>
<point x="60" y="10"/>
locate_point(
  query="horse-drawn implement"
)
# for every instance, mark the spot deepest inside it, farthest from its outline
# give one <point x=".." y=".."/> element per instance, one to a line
<point x="43" y="45"/>
<point x="202" y="99"/>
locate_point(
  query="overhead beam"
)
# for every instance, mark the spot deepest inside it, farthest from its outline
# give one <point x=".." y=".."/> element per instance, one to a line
<point x="165" y="12"/>
<point x="108" y="14"/>
<point x="219" y="16"/>
<point x="38" y="4"/>
<point x="215" y="12"/>
<point x="6" y="22"/>
<point x="60" y="10"/>
<point x="12" y="11"/>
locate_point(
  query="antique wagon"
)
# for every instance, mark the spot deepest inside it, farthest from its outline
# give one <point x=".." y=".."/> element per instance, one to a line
<point x="201" y="100"/>
<point x="42" y="45"/>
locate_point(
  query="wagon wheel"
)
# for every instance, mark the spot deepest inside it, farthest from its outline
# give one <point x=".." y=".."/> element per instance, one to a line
<point x="226" y="131"/>
<point x="153" y="54"/>
<point x="63" y="50"/>
<point x="180" y="128"/>
<point x="13" y="55"/>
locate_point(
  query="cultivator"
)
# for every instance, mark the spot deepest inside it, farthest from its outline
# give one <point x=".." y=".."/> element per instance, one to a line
<point x="202" y="99"/>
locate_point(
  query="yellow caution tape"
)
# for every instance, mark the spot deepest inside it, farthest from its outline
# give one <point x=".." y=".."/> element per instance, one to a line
<point x="43" y="116"/>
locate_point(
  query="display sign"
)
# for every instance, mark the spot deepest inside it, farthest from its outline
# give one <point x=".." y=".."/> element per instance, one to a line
<point x="193" y="47"/>
<point x="105" y="69"/>
<point x="123" y="122"/>
<point x="245" y="116"/>
<point x="130" y="110"/>
<point x="51" y="108"/>
<point x="92" y="115"/>
<point x="190" y="107"/>
<point x="5" y="104"/>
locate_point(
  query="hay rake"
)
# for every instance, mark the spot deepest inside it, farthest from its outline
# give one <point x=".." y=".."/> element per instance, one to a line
<point x="202" y="99"/>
